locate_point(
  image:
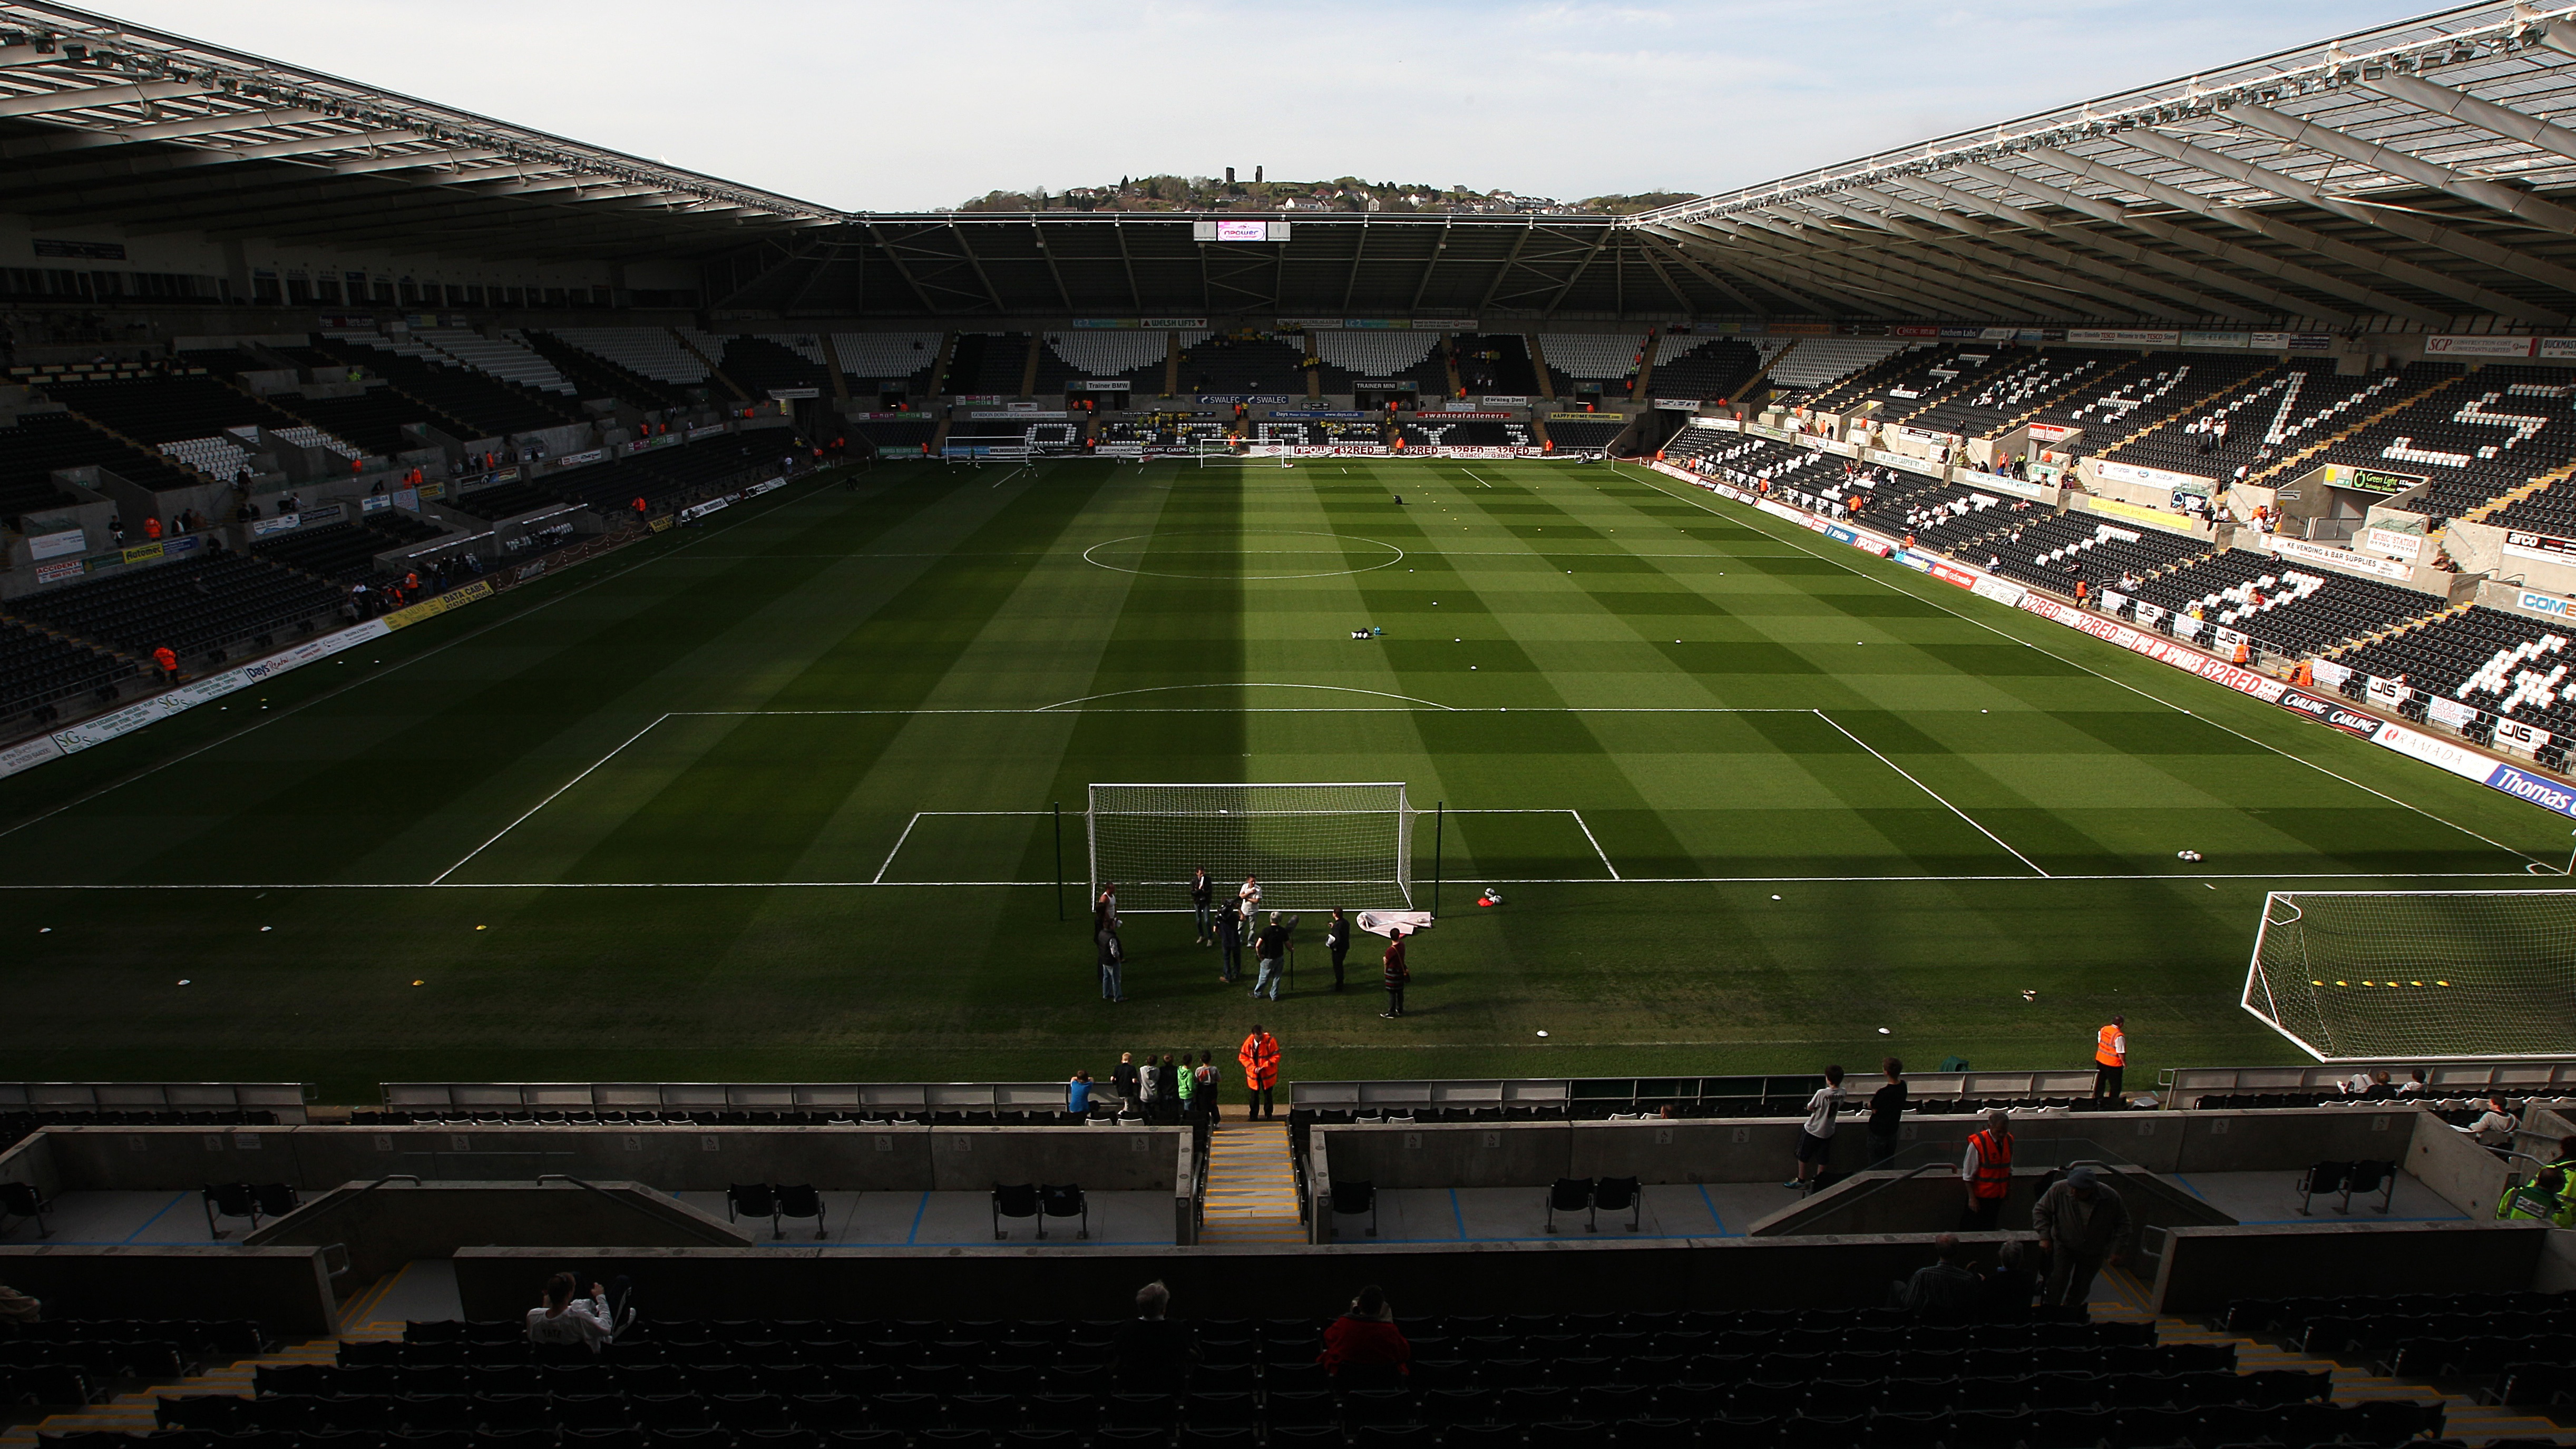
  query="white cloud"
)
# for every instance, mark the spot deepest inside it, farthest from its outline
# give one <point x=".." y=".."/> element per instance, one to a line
<point x="898" y="107"/>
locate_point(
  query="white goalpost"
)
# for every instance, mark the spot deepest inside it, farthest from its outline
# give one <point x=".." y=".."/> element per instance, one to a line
<point x="2371" y="976"/>
<point x="1314" y="846"/>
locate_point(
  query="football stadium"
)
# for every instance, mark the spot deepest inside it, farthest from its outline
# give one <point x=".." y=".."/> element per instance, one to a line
<point x="1922" y="805"/>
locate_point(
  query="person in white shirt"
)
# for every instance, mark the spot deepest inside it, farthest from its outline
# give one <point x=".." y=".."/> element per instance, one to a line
<point x="1816" y="1135"/>
<point x="2494" y="1128"/>
<point x="2413" y="1086"/>
<point x="1248" y="896"/>
<point x="560" y="1317"/>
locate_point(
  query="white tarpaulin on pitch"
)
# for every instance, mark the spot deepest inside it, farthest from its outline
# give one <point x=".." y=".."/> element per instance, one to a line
<point x="1379" y="923"/>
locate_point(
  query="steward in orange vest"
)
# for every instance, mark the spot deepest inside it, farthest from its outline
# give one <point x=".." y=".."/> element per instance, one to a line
<point x="2110" y="1055"/>
<point x="1986" y="1168"/>
<point x="1260" y="1057"/>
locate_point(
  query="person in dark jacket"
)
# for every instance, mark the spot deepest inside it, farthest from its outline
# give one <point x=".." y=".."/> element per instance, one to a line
<point x="1887" y="1113"/>
<point x="2005" y="1295"/>
<point x="1337" y="939"/>
<point x="1393" y="969"/>
<point x="1945" y="1290"/>
<point x="1229" y="935"/>
<point x="1202" y="895"/>
<point x="1150" y="1353"/>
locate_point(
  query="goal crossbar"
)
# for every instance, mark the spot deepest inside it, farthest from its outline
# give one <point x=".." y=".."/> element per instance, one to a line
<point x="1311" y="844"/>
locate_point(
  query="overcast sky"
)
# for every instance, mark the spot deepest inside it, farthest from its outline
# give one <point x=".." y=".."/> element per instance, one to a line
<point x="867" y="105"/>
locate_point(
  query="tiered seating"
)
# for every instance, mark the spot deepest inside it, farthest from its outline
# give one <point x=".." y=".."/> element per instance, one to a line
<point x="403" y="527"/>
<point x="37" y="669"/>
<point x="595" y="376"/>
<point x="2508" y="665"/>
<point x="878" y="358"/>
<point x="1464" y="435"/>
<point x="2519" y="1344"/>
<point x="507" y="357"/>
<point x="225" y="361"/>
<point x="757" y="364"/>
<point x="2159" y="386"/>
<point x="1704" y="367"/>
<point x="79" y="1361"/>
<point x="1352" y="355"/>
<point x="904" y="434"/>
<point x="2054" y="550"/>
<point x="343" y="552"/>
<point x="372" y="420"/>
<point x="1586" y="436"/>
<point x="648" y="352"/>
<point x="987" y="363"/>
<point x="2015" y="385"/>
<point x="1745" y="460"/>
<point x="2486" y="435"/>
<point x="1818" y="363"/>
<point x="508" y="500"/>
<point x="2287" y="610"/>
<point x="1258" y="363"/>
<point x="1042" y="439"/>
<point x="163" y="410"/>
<point x="700" y="1117"/>
<point x="193" y="607"/>
<point x="1910" y="381"/>
<point x="1595" y="358"/>
<point x="487" y="406"/>
<point x="1135" y="355"/>
<point x="1496" y="363"/>
<point x="39" y="443"/>
<point x="1815" y="1379"/>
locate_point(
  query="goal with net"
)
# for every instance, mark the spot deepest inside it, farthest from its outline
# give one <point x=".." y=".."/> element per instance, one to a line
<point x="1313" y="846"/>
<point x="2392" y="975"/>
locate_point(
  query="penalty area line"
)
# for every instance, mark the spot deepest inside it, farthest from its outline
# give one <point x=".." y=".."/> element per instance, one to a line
<point x="442" y="876"/>
<point x="1928" y="790"/>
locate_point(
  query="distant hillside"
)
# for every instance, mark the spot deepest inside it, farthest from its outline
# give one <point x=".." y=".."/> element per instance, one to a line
<point x="1347" y="194"/>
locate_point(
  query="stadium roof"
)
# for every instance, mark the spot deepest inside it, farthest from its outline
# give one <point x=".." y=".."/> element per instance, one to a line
<point x="2415" y="172"/>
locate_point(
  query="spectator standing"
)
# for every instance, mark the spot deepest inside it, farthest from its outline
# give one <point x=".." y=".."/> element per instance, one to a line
<point x="1229" y="932"/>
<point x="1337" y="939"/>
<point x="1209" y="1079"/>
<point x="1185" y="1087"/>
<point x="1986" y="1169"/>
<point x="1392" y="967"/>
<point x="1168" y="1082"/>
<point x="2083" y="1227"/>
<point x="165" y="662"/>
<point x="1816" y="1135"/>
<point x="1077" y="1096"/>
<point x="1944" y="1290"/>
<point x="1887" y="1112"/>
<point x="151" y="526"/>
<point x="1202" y="897"/>
<point x="1365" y="1337"/>
<point x="1149" y="1083"/>
<point x="1260" y="1057"/>
<point x="1248" y="895"/>
<point x="1150" y="1354"/>
<point x="2110" y="1056"/>
<point x="1271" y="949"/>
<point x="1124" y="1078"/>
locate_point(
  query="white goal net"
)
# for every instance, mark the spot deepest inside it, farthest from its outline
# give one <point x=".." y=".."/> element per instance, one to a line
<point x="1314" y="846"/>
<point x="2392" y="975"/>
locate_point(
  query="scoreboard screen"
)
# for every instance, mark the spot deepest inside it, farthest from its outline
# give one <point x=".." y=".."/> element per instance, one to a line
<point x="1239" y="231"/>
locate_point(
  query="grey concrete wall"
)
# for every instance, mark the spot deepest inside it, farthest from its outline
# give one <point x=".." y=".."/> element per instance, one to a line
<point x="1760" y="1149"/>
<point x="2206" y="1268"/>
<point x="387" y="1225"/>
<point x="2451" y="1163"/>
<point x="1892" y="1202"/>
<point x="672" y="1159"/>
<point x="287" y="1288"/>
<point x="1052" y="1282"/>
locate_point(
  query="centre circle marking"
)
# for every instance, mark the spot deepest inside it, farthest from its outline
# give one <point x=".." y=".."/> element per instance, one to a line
<point x="1246" y="546"/>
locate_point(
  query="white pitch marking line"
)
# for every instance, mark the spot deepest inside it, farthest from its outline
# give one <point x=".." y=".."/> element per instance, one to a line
<point x="646" y="885"/>
<point x="1596" y="845"/>
<point x="549" y="800"/>
<point x="1655" y="481"/>
<point x="1471" y="473"/>
<point x="879" y="878"/>
<point x="1928" y="790"/>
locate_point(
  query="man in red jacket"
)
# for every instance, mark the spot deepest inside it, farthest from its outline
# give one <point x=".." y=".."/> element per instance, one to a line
<point x="1260" y="1057"/>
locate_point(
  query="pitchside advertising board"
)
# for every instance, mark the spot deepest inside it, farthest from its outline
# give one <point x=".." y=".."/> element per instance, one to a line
<point x="2433" y="750"/>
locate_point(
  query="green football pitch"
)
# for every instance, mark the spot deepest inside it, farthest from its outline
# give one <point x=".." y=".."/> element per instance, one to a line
<point x="773" y="799"/>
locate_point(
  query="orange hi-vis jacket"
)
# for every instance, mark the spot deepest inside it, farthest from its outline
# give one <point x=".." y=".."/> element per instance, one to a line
<point x="2111" y="1047"/>
<point x="1260" y="1058"/>
<point x="1994" y="1165"/>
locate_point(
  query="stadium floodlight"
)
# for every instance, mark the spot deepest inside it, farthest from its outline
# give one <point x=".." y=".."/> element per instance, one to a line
<point x="2374" y="976"/>
<point x="1312" y="845"/>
